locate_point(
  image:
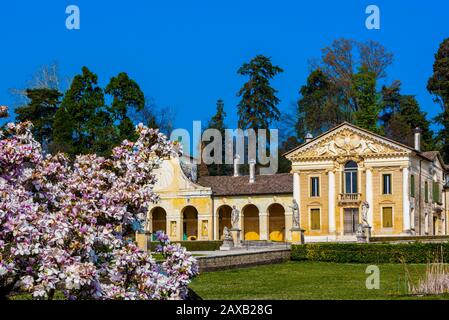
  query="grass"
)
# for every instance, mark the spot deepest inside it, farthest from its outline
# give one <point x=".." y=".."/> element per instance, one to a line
<point x="307" y="281"/>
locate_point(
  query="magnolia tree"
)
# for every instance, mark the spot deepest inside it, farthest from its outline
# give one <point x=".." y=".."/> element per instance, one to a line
<point x="62" y="222"/>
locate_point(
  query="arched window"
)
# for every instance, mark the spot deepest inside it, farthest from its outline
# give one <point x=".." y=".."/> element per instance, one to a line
<point x="350" y="176"/>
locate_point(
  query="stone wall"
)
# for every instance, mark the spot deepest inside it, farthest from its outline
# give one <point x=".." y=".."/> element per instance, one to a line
<point x="241" y="260"/>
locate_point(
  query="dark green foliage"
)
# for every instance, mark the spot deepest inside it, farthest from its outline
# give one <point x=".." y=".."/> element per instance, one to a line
<point x="401" y="115"/>
<point x="41" y="109"/>
<point x="126" y="94"/>
<point x="84" y="124"/>
<point x="365" y="98"/>
<point x="438" y="86"/>
<point x="416" y="252"/>
<point x="82" y="117"/>
<point x="321" y="106"/>
<point x="192" y="245"/>
<point x="258" y="106"/>
<point x="218" y="122"/>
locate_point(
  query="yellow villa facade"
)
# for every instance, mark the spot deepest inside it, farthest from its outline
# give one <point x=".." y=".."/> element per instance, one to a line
<point x="332" y="176"/>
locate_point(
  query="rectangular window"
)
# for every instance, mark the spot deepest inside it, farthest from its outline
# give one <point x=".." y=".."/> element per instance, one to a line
<point x="315" y="219"/>
<point x="351" y="182"/>
<point x="435" y="192"/>
<point x="387" y="217"/>
<point x="314" y="187"/>
<point x="426" y="192"/>
<point x="386" y="183"/>
<point x="412" y="186"/>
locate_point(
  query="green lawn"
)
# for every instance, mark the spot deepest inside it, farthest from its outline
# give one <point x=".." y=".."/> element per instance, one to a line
<point x="306" y="280"/>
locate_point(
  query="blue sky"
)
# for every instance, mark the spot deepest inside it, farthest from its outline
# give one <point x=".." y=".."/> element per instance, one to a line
<point x="185" y="54"/>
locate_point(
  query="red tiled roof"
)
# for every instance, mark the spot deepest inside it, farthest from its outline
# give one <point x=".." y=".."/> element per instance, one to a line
<point x="281" y="183"/>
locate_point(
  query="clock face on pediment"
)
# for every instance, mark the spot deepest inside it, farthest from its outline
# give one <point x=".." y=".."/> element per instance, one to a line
<point x="345" y="142"/>
<point x="165" y="175"/>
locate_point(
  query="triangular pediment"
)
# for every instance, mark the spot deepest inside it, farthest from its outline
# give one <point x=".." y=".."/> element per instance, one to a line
<point x="347" y="140"/>
<point x="172" y="179"/>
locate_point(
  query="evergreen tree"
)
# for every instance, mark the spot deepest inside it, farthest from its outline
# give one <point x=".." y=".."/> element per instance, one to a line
<point x="401" y="115"/>
<point x="258" y="106"/>
<point x="365" y="99"/>
<point x="82" y="124"/>
<point x="320" y="106"/>
<point x="40" y="110"/>
<point x="126" y="94"/>
<point x="217" y="122"/>
<point x="438" y="86"/>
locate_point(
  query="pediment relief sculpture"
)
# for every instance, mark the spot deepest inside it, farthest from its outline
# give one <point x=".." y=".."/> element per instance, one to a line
<point x="348" y="143"/>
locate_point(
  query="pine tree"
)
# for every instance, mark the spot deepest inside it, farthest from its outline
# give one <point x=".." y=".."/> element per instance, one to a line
<point x="258" y="106"/>
<point x="40" y="110"/>
<point x="438" y="86"/>
<point x="401" y="114"/>
<point x="320" y="106"/>
<point x="126" y="94"/>
<point x="367" y="106"/>
<point x="82" y="124"/>
<point x="217" y="122"/>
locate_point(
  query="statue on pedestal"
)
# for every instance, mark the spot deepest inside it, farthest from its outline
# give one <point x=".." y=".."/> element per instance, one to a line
<point x="295" y="216"/>
<point x="227" y="234"/>
<point x="365" y="208"/>
<point x="228" y="240"/>
<point x="365" y="225"/>
<point x="235" y="215"/>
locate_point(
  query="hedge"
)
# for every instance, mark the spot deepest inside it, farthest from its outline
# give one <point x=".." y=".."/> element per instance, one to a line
<point x="408" y="238"/>
<point x="416" y="252"/>
<point x="193" y="245"/>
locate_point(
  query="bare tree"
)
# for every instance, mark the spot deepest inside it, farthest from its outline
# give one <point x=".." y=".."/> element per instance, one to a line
<point x="342" y="59"/>
<point x="46" y="76"/>
<point x="155" y="117"/>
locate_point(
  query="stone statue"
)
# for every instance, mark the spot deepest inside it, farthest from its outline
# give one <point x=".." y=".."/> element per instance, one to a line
<point x="295" y="216"/>
<point x="365" y="208"/>
<point x="235" y="214"/>
<point x="360" y="232"/>
<point x="227" y="234"/>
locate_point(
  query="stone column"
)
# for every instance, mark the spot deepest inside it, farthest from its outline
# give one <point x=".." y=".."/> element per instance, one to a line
<point x="296" y="188"/>
<point x="405" y="200"/>
<point x="331" y="202"/>
<point x="288" y="225"/>
<point x="369" y="195"/>
<point x="263" y="226"/>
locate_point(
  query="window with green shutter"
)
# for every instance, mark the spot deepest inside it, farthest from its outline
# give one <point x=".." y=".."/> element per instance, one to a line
<point x="315" y="219"/>
<point x="435" y="192"/>
<point x="387" y="217"/>
<point x="412" y="186"/>
<point x="426" y="192"/>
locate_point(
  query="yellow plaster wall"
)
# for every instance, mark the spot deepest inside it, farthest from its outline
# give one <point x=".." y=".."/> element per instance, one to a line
<point x="307" y="202"/>
<point x="394" y="200"/>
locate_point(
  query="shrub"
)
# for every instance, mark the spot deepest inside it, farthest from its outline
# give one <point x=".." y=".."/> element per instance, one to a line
<point x="416" y="252"/>
<point x="63" y="222"/>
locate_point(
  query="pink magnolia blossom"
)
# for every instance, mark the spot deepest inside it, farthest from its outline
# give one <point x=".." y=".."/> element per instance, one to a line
<point x="62" y="222"/>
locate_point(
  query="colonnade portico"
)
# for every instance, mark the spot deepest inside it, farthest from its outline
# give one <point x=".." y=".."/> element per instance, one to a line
<point x="263" y="218"/>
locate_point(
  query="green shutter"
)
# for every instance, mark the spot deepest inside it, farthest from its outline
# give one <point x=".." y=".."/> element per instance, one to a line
<point x="426" y="192"/>
<point x="387" y="217"/>
<point x="435" y="192"/>
<point x="412" y="186"/>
